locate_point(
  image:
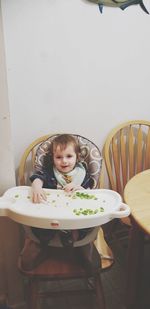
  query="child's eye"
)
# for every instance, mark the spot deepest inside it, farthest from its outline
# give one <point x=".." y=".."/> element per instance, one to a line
<point x="69" y="156"/>
<point x="58" y="157"/>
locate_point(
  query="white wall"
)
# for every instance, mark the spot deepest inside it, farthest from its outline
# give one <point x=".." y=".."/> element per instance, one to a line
<point x="7" y="175"/>
<point x="72" y="69"/>
<point x="9" y="230"/>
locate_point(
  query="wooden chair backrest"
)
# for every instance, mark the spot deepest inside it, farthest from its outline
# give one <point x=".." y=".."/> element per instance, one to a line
<point x="127" y="152"/>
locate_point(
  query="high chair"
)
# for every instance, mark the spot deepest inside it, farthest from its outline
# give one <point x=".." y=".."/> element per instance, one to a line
<point x="63" y="264"/>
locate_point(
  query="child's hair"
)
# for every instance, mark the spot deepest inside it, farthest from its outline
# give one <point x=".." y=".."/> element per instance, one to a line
<point x="63" y="140"/>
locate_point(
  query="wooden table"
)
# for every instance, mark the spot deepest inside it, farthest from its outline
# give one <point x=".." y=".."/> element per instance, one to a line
<point x="137" y="196"/>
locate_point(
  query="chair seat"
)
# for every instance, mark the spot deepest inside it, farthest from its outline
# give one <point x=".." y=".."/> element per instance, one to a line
<point x="63" y="263"/>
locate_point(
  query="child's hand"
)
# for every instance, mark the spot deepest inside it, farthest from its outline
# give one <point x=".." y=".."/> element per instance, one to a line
<point x="70" y="187"/>
<point x="38" y="194"/>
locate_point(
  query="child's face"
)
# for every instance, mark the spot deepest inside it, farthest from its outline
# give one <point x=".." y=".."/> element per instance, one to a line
<point x="65" y="159"/>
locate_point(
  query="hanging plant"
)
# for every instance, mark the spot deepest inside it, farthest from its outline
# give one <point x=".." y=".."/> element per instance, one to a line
<point x="122" y="4"/>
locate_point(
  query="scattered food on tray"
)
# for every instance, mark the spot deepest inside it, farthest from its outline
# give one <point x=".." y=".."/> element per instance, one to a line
<point x="83" y="195"/>
<point x="87" y="211"/>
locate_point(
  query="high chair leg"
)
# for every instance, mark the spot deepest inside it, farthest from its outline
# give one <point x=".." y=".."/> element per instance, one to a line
<point x="32" y="297"/>
<point x="99" y="292"/>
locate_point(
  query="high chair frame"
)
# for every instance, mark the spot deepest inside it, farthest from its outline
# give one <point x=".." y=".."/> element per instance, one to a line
<point x="63" y="264"/>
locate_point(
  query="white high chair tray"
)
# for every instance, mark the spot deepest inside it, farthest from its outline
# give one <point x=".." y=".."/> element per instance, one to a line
<point x="81" y="209"/>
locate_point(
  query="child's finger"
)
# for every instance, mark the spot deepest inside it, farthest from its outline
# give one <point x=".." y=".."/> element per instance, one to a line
<point x="43" y="195"/>
<point x="38" y="197"/>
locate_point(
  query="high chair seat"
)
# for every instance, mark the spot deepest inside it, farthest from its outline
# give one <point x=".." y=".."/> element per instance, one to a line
<point x="56" y="242"/>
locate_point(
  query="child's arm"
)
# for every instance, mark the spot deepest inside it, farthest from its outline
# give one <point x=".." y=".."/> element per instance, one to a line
<point x="38" y="194"/>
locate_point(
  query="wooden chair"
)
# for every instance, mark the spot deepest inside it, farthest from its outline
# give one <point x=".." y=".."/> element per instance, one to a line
<point x="127" y="152"/>
<point x="63" y="263"/>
